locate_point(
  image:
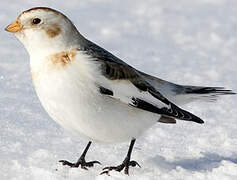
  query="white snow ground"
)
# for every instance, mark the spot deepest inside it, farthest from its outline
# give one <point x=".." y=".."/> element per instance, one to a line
<point x="188" y="42"/>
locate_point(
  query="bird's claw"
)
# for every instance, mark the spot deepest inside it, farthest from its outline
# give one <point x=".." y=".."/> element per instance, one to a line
<point x="91" y="163"/>
<point x="134" y="164"/>
<point x="82" y="163"/>
<point x="124" y="165"/>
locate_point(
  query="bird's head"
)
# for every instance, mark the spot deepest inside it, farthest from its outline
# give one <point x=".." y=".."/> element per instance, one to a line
<point x="43" y="31"/>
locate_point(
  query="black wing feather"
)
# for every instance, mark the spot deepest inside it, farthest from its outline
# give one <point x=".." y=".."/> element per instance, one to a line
<point x="174" y="111"/>
<point x="106" y="91"/>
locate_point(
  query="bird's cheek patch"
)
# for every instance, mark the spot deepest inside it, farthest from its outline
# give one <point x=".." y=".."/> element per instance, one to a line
<point x="53" y="31"/>
<point x="63" y="58"/>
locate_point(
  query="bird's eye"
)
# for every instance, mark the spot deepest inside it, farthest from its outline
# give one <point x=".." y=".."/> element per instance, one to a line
<point x="36" y="21"/>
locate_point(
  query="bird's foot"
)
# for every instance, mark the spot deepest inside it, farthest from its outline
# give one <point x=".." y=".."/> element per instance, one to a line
<point x="81" y="162"/>
<point x="125" y="165"/>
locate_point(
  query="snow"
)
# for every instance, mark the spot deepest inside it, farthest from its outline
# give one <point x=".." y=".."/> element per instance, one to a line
<point x="187" y="42"/>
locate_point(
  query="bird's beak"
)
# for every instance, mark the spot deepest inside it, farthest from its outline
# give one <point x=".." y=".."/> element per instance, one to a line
<point x="14" y="27"/>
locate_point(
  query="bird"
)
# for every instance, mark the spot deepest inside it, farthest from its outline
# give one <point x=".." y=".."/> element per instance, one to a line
<point x="94" y="94"/>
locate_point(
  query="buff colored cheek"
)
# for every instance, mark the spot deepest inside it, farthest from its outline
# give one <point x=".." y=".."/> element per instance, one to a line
<point x="53" y="31"/>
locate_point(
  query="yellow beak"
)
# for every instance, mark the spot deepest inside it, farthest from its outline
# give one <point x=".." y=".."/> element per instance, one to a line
<point x="14" y="27"/>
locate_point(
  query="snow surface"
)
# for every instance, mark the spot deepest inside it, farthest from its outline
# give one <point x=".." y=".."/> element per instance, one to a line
<point x="187" y="42"/>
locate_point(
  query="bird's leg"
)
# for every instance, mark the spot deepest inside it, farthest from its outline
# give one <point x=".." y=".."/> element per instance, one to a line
<point x="81" y="161"/>
<point x="125" y="164"/>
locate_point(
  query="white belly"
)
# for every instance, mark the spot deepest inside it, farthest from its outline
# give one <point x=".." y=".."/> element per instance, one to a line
<point x="76" y="104"/>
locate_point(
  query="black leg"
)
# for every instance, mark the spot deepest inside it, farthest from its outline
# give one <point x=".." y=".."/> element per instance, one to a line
<point x="81" y="161"/>
<point x="125" y="164"/>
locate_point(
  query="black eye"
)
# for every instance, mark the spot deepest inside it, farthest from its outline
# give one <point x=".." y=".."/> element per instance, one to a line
<point x="36" y="21"/>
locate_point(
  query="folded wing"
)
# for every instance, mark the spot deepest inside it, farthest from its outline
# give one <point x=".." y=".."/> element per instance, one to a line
<point x="126" y="84"/>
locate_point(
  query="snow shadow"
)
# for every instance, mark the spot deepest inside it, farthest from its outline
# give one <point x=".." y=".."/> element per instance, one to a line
<point x="208" y="162"/>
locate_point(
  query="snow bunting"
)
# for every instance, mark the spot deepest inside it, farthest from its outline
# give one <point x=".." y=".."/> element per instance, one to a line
<point x="92" y="93"/>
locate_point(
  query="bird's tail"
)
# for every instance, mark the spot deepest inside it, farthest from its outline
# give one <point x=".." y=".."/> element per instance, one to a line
<point x="206" y="93"/>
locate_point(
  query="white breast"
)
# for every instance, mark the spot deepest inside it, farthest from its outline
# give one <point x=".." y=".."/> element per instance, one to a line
<point x="70" y="95"/>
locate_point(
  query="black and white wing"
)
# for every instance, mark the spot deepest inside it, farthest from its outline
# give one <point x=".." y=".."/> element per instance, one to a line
<point x="128" y="85"/>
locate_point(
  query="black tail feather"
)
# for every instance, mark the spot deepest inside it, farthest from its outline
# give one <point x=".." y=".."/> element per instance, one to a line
<point x="208" y="90"/>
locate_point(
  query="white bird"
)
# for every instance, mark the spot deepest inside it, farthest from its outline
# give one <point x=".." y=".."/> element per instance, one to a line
<point x="92" y="93"/>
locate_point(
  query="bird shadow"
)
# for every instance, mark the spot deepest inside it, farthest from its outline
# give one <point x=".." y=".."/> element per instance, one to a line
<point x="208" y="162"/>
